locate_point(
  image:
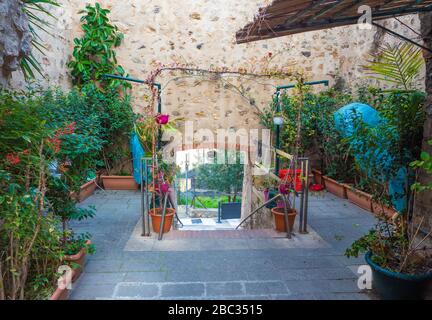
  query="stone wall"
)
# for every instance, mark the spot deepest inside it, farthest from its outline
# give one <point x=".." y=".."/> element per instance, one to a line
<point x="15" y="38"/>
<point x="203" y="32"/>
<point x="423" y="204"/>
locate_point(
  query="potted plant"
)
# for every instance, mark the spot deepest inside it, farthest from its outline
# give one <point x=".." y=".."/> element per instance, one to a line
<point x="265" y="183"/>
<point x="63" y="206"/>
<point x="279" y="211"/>
<point x="156" y="213"/>
<point x="400" y="261"/>
<point x="400" y="270"/>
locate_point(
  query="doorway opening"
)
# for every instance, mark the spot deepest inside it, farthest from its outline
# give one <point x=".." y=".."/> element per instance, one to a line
<point x="208" y="191"/>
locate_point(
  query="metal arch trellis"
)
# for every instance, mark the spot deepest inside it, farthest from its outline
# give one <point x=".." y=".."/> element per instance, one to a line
<point x="304" y="163"/>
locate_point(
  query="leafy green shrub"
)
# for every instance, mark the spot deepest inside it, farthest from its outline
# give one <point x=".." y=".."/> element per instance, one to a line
<point x="318" y="129"/>
<point x="30" y="247"/>
<point x="49" y="142"/>
<point x="227" y="178"/>
<point x="106" y="98"/>
<point x="116" y="118"/>
<point x="94" y="53"/>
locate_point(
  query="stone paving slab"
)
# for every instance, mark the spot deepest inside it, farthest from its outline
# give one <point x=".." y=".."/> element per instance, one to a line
<point x="261" y="265"/>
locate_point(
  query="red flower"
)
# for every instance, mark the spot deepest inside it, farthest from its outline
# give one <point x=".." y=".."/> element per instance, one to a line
<point x="13" y="158"/>
<point x="316" y="187"/>
<point x="56" y="140"/>
<point x="270" y="54"/>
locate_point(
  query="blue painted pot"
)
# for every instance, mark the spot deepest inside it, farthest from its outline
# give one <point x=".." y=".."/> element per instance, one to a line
<point x="398" y="286"/>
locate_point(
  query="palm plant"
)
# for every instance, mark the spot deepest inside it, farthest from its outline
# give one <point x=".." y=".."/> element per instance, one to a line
<point x="33" y="9"/>
<point x="398" y="64"/>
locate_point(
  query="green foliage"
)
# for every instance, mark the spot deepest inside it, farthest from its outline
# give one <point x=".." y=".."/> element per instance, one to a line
<point x="116" y="117"/>
<point x="207" y="202"/>
<point x="404" y="111"/>
<point x="425" y="164"/>
<point x="94" y="53"/>
<point x="35" y="197"/>
<point x="227" y="178"/>
<point x="82" y="149"/>
<point x="106" y="99"/>
<point x="34" y="9"/>
<point x="393" y="248"/>
<point x="318" y="130"/>
<point x="398" y="64"/>
<point x="77" y="242"/>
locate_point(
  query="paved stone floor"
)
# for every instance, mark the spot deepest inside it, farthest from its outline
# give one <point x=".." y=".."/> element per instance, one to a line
<point x="191" y="265"/>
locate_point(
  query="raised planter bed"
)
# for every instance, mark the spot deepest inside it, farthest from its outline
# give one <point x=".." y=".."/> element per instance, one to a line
<point x="119" y="183"/>
<point x="318" y="177"/>
<point x="332" y="186"/>
<point x="379" y="209"/>
<point x="77" y="262"/>
<point x="359" y="198"/>
<point x="86" y="190"/>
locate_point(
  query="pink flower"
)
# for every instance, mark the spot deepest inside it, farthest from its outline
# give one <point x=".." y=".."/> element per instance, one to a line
<point x="162" y="118"/>
<point x="283" y="189"/>
<point x="164" y="187"/>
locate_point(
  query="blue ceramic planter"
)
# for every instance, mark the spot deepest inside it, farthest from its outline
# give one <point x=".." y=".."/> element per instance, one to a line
<point x="397" y="286"/>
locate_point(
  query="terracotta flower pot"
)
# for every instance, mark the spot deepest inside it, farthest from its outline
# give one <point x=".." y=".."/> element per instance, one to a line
<point x="156" y="216"/>
<point x="279" y="218"/>
<point x="62" y="293"/>
<point x="318" y="177"/>
<point x="332" y="186"/>
<point x="359" y="198"/>
<point x="119" y="183"/>
<point x="77" y="259"/>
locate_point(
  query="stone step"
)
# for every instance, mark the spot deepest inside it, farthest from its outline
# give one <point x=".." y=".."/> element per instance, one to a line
<point x="224" y="234"/>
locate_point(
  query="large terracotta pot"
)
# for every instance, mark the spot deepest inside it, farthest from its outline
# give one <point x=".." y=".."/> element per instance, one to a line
<point x="156" y="216"/>
<point x="119" y="183"/>
<point x="359" y="198"/>
<point x="279" y="218"/>
<point x="332" y="186"/>
<point x="77" y="261"/>
<point x="62" y="293"/>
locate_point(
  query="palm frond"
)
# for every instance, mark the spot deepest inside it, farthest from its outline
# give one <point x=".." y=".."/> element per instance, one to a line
<point x="399" y="64"/>
<point x="34" y="9"/>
